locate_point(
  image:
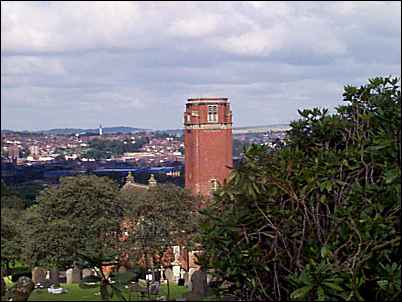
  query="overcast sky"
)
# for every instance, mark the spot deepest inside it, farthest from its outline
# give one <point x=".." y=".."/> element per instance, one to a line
<point x="78" y="64"/>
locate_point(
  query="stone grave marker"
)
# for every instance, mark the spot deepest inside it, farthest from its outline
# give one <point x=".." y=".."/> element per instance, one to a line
<point x="73" y="275"/>
<point x="186" y="277"/>
<point x="38" y="275"/>
<point x="54" y="276"/>
<point x="169" y="275"/>
<point x="62" y="277"/>
<point x="176" y="272"/>
<point x="199" y="284"/>
<point x="23" y="289"/>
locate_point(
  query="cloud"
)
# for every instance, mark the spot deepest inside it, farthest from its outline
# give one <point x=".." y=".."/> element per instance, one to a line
<point x="136" y="63"/>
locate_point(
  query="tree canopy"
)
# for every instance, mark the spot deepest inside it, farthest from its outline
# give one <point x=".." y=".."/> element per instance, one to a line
<point x="318" y="218"/>
<point x="80" y="217"/>
<point x="158" y="218"/>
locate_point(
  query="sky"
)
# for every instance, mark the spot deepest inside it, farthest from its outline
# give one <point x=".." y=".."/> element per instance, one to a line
<point x="79" y="64"/>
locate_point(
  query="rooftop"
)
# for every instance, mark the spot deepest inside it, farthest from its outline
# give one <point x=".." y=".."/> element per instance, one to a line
<point x="208" y="100"/>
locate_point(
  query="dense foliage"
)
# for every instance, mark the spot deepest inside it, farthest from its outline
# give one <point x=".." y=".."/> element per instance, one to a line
<point x="317" y="219"/>
<point x="11" y="206"/>
<point x="80" y="217"/>
<point x="158" y="218"/>
<point x="11" y="198"/>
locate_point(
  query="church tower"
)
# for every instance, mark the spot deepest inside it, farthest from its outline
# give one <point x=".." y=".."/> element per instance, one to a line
<point x="207" y="144"/>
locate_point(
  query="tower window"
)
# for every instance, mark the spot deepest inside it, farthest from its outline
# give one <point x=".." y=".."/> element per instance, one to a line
<point x="212" y="113"/>
<point x="213" y="184"/>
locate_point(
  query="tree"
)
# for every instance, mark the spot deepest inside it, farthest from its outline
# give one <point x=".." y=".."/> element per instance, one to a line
<point x="10" y="236"/>
<point x="12" y="205"/>
<point x="11" y="198"/>
<point x="78" y="220"/>
<point x="158" y="218"/>
<point x="319" y="217"/>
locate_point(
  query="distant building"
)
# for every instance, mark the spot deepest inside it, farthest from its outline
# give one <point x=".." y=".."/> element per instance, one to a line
<point x="208" y="144"/>
<point x="34" y="151"/>
<point x="14" y="152"/>
<point x="100" y="130"/>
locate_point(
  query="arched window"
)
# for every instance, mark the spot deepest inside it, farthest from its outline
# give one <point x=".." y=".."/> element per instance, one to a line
<point x="213" y="184"/>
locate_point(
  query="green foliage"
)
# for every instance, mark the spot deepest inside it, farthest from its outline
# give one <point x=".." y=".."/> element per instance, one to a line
<point x="10" y="236"/>
<point x="319" y="217"/>
<point x="11" y="198"/>
<point x="12" y="205"/>
<point x="29" y="192"/>
<point x="79" y="217"/>
<point x="157" y="218"/>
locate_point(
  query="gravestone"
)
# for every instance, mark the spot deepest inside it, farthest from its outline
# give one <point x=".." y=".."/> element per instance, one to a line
<point x="73" y="275"/>
<point x="54" y="276"/>
<point x="199" y="284"/>
<point x="62" y="277"/>
<point x="169" y="275"/>
<point x="38" y="275"/>
<point x="186" y="277"/>
<point x="176" y="272"/>
<point x="86" y="272"/>
<point x="162" y="279"/>
<point x="23" y="289"/>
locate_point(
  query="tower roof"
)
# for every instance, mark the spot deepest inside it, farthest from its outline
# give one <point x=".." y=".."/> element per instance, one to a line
<point x="208" y="100"/>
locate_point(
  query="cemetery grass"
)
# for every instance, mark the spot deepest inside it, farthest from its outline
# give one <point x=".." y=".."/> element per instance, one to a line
<point x="75" y="293"/>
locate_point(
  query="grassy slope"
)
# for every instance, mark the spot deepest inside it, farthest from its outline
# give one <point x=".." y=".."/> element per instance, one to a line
<point x="77" y="294"/>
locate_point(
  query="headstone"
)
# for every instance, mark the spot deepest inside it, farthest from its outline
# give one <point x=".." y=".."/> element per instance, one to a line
<point x="169" y="275"/>
<point x="73" y="275"/>
<point x="86" y="272"/>
<point x="157" y="275"/>
<point x="38" y="275"/>
<point x="199" y="284"/>
<point x="162" y="279"/>
<point x="190" y="273"/>
<point x="54" y="276"/>
<point x="23" y="289"/>
<point x="186" y="277"/>
<point x="176" y="272"/>
<point x="62" y="277"/>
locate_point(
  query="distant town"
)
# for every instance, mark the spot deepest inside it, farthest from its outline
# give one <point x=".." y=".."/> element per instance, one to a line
<point x="38" y="159"/>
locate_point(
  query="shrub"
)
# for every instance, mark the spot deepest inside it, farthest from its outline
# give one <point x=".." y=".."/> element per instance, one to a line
<point x="319" y="217"/>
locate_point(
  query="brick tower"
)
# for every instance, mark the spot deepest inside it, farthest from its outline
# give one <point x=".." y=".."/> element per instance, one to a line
<point x="207" y="143"/>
